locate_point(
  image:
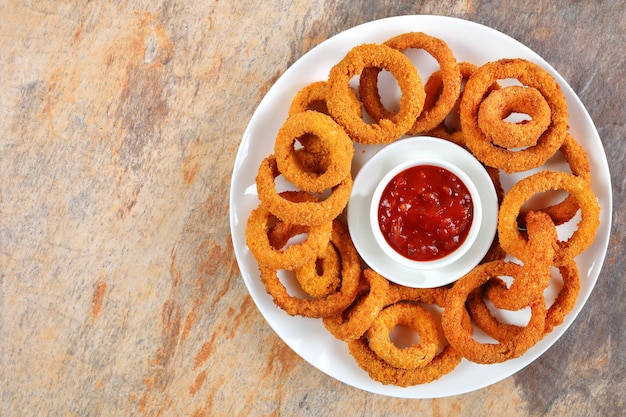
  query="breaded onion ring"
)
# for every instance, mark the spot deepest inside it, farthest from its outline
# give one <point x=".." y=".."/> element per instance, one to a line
<point x="413" y="316"/>
<point x="443" y="363"/>
<point x="353" y="322"/>
<point x="398" y="293"/>
<point x="560" y="308"/>
<point x="309" y="212"/>
<point x="332" y="137"/>
<point x="534" y="276"/>
<point x="578" y="162"/>
<point x="462" y="340"/>
<point x="450" y="76"/>
<point x="310" y="97"/>
<point x="322" y="276"/>
<point x="313" y="97"/>
<point x="566" y="300"/>
<point x="332" y="303"/>
<point x="450" y="127"/>
<point x="381" y="371"/>
<point x="339" y="99"/>
<point x="501" y="103"/>
<point x="290" y="257"/>
<point x="312" y="155"/>
<point x="318" y="278"/>
<point x="512" y="240"/>
<point x="529" y="74"/>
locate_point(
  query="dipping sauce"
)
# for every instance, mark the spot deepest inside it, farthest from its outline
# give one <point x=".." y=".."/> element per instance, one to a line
<point x="425" y="212"/>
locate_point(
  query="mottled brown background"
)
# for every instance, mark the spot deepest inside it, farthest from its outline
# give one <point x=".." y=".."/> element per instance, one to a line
<point x="120" y="293"/>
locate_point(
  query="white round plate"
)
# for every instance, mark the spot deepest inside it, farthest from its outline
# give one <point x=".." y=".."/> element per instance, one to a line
<point x="373" y="172"/>
<point x="307" y="337"/>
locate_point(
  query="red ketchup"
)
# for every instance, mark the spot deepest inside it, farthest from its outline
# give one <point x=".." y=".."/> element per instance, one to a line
<point x="425" y="212"/>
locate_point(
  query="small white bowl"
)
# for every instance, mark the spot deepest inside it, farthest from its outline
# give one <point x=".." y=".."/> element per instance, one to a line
<point x="455" y="255"/>
<point x="376" y="166"/>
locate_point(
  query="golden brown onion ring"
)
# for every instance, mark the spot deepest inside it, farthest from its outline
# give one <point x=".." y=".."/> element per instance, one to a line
<point x="450" y="76"/>
<point x="310" y="97"/>
<point x="356" y="319"/>
<point x="534" y="276"/>
<point x="332" y="137"/>
<point x="512" y="240"/>
<point x="289" y="257"/>
<point x="332" y="303"/>
<point x="463" y="341"/>
<point x="443" y="363"/>
<point x="413" y="316"/>
<point x="313" y="212"/>
<point x="379" y="370"/>
<point x="318" y="278"/>
<point x="450" y="128"/>
<point x="321" y="277"/>
<point x="339" y="99"/>
<point x="501" y="103"/>
<point x="578" y="162"/>
<point x="560" y="308"/>
<point x="529" y="74"/>
<point x="313" y="97"/>
<point x="312" y="155"/>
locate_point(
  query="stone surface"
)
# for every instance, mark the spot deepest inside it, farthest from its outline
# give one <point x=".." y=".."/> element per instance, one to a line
<point x="120" y="292"/>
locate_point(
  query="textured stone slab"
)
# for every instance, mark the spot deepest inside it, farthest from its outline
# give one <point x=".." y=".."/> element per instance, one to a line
<point x="120" y="293"/>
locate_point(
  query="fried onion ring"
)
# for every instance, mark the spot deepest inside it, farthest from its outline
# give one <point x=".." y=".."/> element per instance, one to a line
<point x="309" y="212"/>
<point x="332" y="303"/>
<point x="313" y="156"/>
<point x="290" y="257"/>
<point x="379" y="370"/>
<point x="310" y="97"/>
<point x="321" y="277"/>
<point x="534" y="276"/>
<point x="413" y="316"/>
<point x="529" y="74"/>
<point x="560" y="308"/>
<point x="333" y="139"/>
<point x="512" y="240"/>
<point x="462" y="340"/>
<point x="450" y="76"/>
<point x="500" y="104"/>
<point x="578" y="162"/>
<point x="566" y="300"/>
<point x="356" y="319"/>
<point x="398" y="293"/>
<point x="450" y="128"/>
<point x="313" y="97"/>
<point x="318" y="278"/>
<point x="339" y="100"/>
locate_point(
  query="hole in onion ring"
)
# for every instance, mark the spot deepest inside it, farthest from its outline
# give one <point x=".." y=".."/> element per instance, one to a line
<point x="294" y="289"/>
<point x="515" y="117"/>
<point x="389" y="91"/>
<point x="403" y="336"/>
